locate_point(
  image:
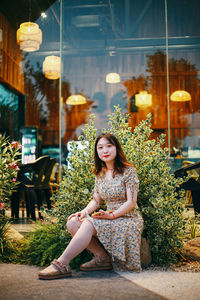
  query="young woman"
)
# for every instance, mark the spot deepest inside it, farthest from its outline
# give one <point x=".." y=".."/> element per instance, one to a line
<point x="114" y="235"/>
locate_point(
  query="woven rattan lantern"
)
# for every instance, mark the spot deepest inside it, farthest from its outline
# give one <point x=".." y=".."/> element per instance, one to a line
<point x="76" y="100"/>
<point x="112" y="78"/>
<point x="51" y="67"/>
<point x="143" y="100"/>
<point x="29" y="36"/>
<point x="180" y="96"/>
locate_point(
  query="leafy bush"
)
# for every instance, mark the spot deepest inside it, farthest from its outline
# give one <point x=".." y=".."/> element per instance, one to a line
<point x="6" y="246"/>
<point x="42" y="245"/>
<point x="192" y="225"/>
<point x="8" y="169"/>
<point x="9" y="152"/>
<point x="158" y="199"/>
<point x="76" y="187"/>
<point x="45" y="243"/>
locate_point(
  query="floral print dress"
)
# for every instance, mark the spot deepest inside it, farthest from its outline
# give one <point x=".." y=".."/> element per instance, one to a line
<point x="121" y="237"/>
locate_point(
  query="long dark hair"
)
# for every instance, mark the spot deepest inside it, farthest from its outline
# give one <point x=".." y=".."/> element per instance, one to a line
<point x="120" y="162"/>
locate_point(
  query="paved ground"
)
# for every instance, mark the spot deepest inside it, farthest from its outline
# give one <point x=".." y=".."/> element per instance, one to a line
<point x="20" y="282"/>
<point x="172" y="285"/>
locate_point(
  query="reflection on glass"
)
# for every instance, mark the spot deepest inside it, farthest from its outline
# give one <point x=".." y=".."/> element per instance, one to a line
<point x="51" y="67"/>
<point x="180" y="96"/>
<point x="29" y="36"/>
<point x="124" y="36"/>
<point x="76" y="100"/>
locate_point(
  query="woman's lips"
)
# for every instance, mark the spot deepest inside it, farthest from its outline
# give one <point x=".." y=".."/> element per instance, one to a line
<point x="105" y="155"/>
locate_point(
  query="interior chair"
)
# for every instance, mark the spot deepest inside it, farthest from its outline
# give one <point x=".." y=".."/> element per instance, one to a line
<point x="42" y="187"/>
<point x="194" y="175"/>
<point x="29" y="177"/>
<point x="25" y="188"/>
<point x="54" y="179"/>
<point x="193" y="184"/>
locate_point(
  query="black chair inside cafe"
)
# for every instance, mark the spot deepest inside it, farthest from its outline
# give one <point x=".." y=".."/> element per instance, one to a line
<point x="29" y="177"/>
<point x="192" y="184"/>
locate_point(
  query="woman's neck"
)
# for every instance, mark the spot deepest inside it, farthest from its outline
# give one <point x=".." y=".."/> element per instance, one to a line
<point x="110" y="167"/>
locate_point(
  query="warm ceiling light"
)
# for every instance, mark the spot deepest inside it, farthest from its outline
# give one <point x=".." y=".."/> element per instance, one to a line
<point x="76" y="100"/>
<point x="180" y="96"/>
<point x="143" y="100"/>
<point x="112" y="78"/>
<point x="29" y="36"/>
<point x="51" y="67"/>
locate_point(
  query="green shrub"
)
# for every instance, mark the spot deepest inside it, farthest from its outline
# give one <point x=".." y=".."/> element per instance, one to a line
<point x="192" y="224"/>
<point x="76" y="187"/>
<point x="45" y="243"/>
<point x="6" y="245"/>
<point x="158" y="199"/>
<point x="42" y="245"/>
<point x="9" y="156"/>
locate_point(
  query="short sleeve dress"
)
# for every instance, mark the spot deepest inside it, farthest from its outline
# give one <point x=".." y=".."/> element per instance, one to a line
<point x="121" y="237"/>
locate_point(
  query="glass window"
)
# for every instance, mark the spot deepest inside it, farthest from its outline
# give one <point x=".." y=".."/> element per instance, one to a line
<point x="152" y="46"/>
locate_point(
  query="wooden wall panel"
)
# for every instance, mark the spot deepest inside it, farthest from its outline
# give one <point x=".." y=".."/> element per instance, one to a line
<point x="11" y="70"/>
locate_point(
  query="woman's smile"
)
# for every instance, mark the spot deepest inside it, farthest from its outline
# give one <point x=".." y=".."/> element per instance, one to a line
<point x="106" y="151"/>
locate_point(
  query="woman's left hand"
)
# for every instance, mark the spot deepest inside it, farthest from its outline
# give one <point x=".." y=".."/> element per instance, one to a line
<point x="101" y="214"/>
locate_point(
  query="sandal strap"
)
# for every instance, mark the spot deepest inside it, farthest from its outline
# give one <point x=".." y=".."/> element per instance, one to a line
<point x="96" y="261"/>
<point x="60" y="266"/>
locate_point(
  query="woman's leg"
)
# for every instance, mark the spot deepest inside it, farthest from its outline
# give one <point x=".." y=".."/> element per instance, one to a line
<point x="79" y="242"/>
<point x="94" y="246"/>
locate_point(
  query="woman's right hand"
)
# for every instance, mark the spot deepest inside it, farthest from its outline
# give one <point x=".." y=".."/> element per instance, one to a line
<point x="78" y="215"/>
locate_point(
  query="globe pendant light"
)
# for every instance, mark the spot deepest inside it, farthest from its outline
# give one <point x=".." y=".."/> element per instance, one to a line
<point x="51" y="67"/>
<point x="112" y="78"/>
<point x="29" y="36"/>
<point x="180" y="96"/>
<point x="76" y="100"/>
<point x="143" y="100"/>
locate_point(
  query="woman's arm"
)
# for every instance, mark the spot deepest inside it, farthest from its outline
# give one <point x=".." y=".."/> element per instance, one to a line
<point x="128" y="205"/>
<point x="123" y="209"/>
<point x="92" y="206"/>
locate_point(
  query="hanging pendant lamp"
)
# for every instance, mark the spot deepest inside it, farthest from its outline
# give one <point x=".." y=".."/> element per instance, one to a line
<point x="143" y="100"/>
<point x="180" y="96"/>
<point x="29" y="36"/>
<point x="76" y="100"/>
<point x="112" y="78"/>
<point x="51" y="67"/>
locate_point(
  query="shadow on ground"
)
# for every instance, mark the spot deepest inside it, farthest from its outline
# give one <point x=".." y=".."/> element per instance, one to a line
<point x="21" y="282"/>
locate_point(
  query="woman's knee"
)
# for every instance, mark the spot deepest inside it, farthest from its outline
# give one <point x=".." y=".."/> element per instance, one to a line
<point x="73" y="225"/>
<point x="89" y="227"/>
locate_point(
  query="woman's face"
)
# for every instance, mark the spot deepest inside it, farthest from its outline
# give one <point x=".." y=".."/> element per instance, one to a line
<point x="106" y="151"/>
